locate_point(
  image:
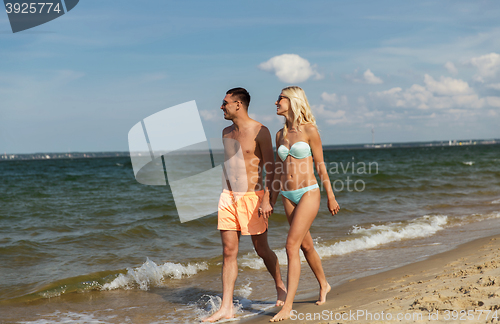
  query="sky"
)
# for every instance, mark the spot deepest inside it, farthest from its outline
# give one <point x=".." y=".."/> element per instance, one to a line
<point x="411" y="71"/>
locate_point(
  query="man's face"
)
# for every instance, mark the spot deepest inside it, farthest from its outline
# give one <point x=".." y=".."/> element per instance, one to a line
<point x="229" y="106"/>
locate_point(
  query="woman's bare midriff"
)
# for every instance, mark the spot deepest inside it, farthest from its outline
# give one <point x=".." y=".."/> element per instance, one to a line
<point x="297" y="173"/>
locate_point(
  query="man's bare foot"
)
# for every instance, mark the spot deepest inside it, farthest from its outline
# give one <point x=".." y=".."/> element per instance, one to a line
<point x="222" y="313"/>
<point x="281" y="296"/>
<point x="323" y="293"/>
<point x="282" y="315"/>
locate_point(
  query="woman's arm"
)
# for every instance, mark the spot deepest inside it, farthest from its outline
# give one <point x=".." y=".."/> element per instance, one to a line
<point x="319" y="163"/>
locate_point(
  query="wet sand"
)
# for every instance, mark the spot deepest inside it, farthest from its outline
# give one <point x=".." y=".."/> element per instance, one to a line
<point x="461" y="285"/>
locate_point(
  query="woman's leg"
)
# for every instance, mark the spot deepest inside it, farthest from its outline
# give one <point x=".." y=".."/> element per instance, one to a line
<point x="314" y="262"/>
<point x="300" y="218"/>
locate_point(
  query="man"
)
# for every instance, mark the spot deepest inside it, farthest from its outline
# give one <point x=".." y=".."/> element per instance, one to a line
<point x="244" y="207"/>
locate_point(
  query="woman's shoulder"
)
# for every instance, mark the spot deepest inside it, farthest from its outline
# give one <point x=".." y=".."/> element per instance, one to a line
<point x="279" y="136"/>
<point x="310" y="129"/>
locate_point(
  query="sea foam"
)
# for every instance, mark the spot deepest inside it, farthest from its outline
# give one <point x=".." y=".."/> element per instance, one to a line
<point x="208" y="304"/>
<point x="383" y="234"/>
<point x="243" y="291"/>
<point x="151" y="275"/>
<point x="365" y="238"/>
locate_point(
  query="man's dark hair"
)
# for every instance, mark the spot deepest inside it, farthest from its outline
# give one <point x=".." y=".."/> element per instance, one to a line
<point x="241" y="94"/>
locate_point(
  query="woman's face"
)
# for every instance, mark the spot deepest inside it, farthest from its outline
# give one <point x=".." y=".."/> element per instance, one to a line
<point x="282" y="105"/>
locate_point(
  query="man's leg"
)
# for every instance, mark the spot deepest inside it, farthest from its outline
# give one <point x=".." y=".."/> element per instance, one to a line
<point x="271" y="261"/>
<point x="230" y="242"/>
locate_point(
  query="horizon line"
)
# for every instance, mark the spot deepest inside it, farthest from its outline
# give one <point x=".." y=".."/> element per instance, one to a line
<point x="327" y="146"/>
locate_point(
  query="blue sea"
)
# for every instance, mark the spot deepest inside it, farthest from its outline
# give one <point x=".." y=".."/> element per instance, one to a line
<point x="81" y="241"/>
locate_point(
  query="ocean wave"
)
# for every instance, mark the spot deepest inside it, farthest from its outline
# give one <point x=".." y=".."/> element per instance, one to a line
<point x="473" y="218"/>
<point x="492" y="215"/>
<point x="243" y="291"/>
<point x="151" y="275"/>
<point x="468" y="162"/>
<point x="496" y="201"/>
<point x="382" y="234"/>
<point x="366" y="238"/>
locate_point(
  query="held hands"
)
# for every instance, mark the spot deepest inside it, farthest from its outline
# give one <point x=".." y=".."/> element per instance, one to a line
<point x="333" y="206"/>
<point x="265" y="209"/>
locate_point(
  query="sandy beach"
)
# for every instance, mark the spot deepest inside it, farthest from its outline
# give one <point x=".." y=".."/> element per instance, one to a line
<point x="461" y="285"/>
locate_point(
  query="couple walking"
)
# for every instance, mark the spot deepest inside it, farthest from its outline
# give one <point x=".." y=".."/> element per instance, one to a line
<point x="299" y="150"/>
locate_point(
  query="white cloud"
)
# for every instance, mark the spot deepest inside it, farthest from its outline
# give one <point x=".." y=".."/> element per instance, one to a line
<point x="488" y="66"/>
<point x="210" y="115"/>
<point x="367" y="78"/>
<point x="447" y="93"/>
<point x="451" y="68"/>
<point x="493" y="101"/>
<point x="416" y="96"/>
<point x="290" y="68"/>
<point x="495" y="86"/>
<point x="329" y="116"/>
<point x="334" y="111"/>
<point x="370" y="78"/>
<point x="334" y="101"/>
<point x="332" y="98"/>
<point x="447" y="86"/>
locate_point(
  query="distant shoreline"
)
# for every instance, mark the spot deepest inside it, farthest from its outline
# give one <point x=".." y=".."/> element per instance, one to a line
<point x="86" y="155"/>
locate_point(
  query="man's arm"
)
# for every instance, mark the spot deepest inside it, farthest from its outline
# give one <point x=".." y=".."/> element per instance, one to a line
<point x="278" y="170"/>
<point x="266" y="148"/>
<point x="225" y="132"/>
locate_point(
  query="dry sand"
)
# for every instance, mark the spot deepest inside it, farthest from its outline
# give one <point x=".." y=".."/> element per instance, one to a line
<point x="458" y="286"/>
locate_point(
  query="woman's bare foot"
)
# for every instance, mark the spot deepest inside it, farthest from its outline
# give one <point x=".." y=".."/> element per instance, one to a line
<point x="222" y="313"/>
<point x="323" y="293"/>
<point x="281" y="296"/>
<point x="282" y="315"/>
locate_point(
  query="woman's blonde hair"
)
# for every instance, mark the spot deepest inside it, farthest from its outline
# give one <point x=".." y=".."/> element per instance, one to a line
<point x="302" y="113"/>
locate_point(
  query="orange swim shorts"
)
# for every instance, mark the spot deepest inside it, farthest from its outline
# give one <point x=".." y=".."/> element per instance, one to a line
<point x="240" y="212"/>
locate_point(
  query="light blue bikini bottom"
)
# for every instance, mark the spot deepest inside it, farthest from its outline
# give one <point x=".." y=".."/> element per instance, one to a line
<point x="295" y="195"/>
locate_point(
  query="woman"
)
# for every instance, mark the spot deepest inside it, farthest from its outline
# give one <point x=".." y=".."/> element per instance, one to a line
<point x="299" y="147"/>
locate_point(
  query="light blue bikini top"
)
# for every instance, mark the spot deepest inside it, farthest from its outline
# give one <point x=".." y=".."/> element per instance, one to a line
<point x="299" y="150"/>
